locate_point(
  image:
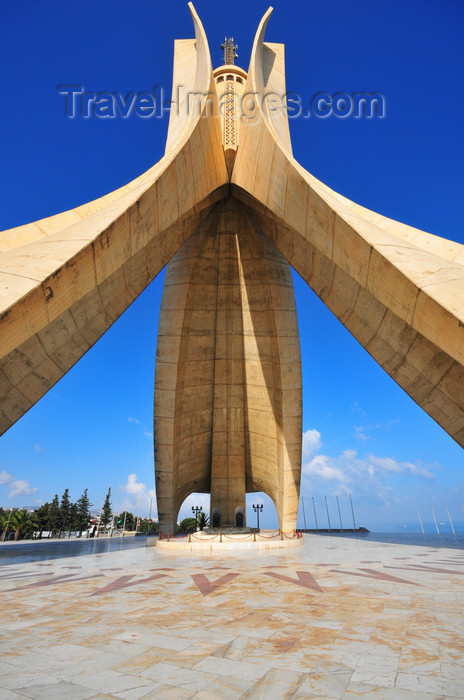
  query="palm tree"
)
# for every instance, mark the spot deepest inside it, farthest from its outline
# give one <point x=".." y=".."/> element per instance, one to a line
<point x="22" y="520"/>
<point x="203" y="520"/>
<point x="4" y="524"/>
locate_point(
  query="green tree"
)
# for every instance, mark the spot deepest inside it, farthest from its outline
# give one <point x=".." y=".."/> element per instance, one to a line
<point x="65" y="510"/>
<point x="23" y="522"/>
<point x="54" y="519"/>
<point x="42" y="515"/>
<point x="73" y="517"/>
<point x="130" y="521"/>
<point x="188" y="525"/>
<point x="83" y="509"/>
<point x="107" y="513"/>
<point x="146" y="526"/>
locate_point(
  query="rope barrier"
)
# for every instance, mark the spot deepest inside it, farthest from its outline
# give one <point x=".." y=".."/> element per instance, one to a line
<point x="267" y="537"/>
<point x="255" y="536"/>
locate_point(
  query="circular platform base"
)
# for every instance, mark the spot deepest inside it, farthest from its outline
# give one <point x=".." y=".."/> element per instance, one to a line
<point x="231" y="542"/>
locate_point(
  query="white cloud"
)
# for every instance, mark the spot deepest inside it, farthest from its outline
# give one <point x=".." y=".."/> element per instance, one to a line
<point x="134" y="487"/>
<point x="322" y="467"/>
<point x="352" y="471"/>
<point x="359" y="433"/>
<point x="385" y="463"/>
<point x="311" y="444"/>
<point x="138" y="495"/>
<point x="21" y="487"/>
<point x="16" y="487"/>
<point x="419" y="471"/>
<point x="147" y="433"/>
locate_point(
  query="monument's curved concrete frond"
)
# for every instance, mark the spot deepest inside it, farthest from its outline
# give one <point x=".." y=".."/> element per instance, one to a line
<point x="398" y="290"/>
<point x="230" y="210"/>
<point x="64" y="280"/>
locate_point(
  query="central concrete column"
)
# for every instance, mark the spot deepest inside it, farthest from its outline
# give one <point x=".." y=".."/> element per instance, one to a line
<point x="228" y="480"/>
<point x="228" y="374"/>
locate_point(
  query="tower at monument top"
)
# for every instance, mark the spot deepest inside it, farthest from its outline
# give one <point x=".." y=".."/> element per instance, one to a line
<point x="230" y="51"/>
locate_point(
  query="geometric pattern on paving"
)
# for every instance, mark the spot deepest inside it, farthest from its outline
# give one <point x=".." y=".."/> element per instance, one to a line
<point x="181" y="627"/>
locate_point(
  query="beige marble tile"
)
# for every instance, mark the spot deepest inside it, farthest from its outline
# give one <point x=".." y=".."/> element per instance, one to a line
<point x="365" y="637"/>
<point x="229" y="667"/>
<point x="226" y="688"/>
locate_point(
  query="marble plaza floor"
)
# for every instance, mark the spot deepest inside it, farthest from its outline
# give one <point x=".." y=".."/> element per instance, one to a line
<point x="335" y="618"/>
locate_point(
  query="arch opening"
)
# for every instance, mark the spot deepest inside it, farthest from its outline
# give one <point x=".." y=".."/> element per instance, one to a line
<point x="268" y="516"/>
<point x="239" y="517"/>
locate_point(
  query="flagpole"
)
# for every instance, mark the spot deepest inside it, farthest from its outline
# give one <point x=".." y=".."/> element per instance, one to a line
<point x="304" y="514"/>
<point x="315" y="516"/>
<point x="436" y="524"/>
<point x="327" y="509"/>
<point x="138" y="517"/>
<point x="420" y="520"/>
<point x="99" y="517"/>
<point x="352" y="513"/>
<point x="125" y="516"/>
<point x="451" y="522"/>
<point x="339" y="515"/>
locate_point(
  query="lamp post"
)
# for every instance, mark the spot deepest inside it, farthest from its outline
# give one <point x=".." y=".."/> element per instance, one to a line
<point x="258" y="510"/>
<point x="196" y="510"/>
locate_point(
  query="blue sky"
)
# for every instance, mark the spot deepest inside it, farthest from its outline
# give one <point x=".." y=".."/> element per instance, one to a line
<point x="362" y="432"/>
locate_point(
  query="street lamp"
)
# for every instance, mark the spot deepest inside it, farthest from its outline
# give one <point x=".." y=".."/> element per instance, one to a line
<point x="196" y="510"/>
<point x="258" y="510"/>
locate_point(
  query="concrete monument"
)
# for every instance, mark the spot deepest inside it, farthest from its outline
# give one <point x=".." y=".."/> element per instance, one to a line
<point x="229" y="210"/>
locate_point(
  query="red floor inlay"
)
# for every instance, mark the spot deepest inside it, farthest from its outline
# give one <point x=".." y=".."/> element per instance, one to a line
<point x="205" y="586"/>
<point x="432" y="569"/>
<point x="304" y="579"/>
<point x="125" y="582"/>
<point x="64" y="578"/>
<point x="28" y="575"/>
<point x="372" y="573"/>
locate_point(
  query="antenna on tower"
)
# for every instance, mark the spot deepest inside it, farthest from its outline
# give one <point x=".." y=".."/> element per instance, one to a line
<point x="230" y="51"/>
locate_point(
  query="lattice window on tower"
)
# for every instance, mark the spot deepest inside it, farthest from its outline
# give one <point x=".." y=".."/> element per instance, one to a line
<point x="229" y="116"/>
